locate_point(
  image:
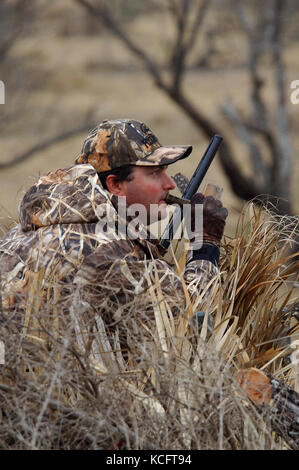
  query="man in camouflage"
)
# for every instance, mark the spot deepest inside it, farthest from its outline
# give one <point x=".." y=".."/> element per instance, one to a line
<point x="73" y="242"/>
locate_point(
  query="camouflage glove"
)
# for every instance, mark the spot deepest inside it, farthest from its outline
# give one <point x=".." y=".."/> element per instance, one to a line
<point x="214" y="218"/>
<point x="206" y="245"/>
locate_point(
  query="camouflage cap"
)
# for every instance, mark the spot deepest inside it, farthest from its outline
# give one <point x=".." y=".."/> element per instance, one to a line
<point x="113" y="144"/>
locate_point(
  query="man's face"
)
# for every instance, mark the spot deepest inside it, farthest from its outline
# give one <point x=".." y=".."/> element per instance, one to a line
<point x="149" y="187"/>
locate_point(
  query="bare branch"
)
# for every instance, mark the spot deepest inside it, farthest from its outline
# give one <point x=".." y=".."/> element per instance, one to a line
<point x="258" y="42"/>
<point x="102" y="12"/>
<point x="259" y="169"/>
<point x="179" y="52"/>
<point x="199" y="18"/>
<point x="180" y="14"/>
<point x="245" y="188"/>
<point x="45" y="145"/>
<point x="186" y="35"/>
<point x="265" y="35"/>
<point x="14" y="28"/>
<point x="283" y="164"/>
<point x="243" y="17"/>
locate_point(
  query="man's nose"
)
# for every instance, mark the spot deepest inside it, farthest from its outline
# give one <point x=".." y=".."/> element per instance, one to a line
<point x="168" y="183"/>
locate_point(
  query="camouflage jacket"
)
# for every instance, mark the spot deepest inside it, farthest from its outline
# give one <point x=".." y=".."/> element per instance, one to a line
<point x="62" y="248"/>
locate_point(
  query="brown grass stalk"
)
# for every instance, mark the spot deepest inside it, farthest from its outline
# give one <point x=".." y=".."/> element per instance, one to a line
<point x="64" y="388"/>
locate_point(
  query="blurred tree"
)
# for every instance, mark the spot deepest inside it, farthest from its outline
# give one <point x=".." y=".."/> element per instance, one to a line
<point x="16" y="20"/>
<point x="263" y="25"/>
<point x="14" y="16"/>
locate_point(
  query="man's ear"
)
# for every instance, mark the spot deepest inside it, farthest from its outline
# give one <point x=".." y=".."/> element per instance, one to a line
<point x="115" y="186"/>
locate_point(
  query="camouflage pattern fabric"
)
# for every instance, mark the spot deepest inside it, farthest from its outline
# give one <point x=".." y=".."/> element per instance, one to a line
<point x="113" y="144"/>
<point x="62" y="249"/>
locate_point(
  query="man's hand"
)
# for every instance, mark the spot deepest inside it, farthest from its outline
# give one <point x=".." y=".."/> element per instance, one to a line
<point x="214" y="218"/>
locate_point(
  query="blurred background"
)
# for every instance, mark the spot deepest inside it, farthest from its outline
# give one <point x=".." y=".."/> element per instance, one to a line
<point x="187" y="68"/>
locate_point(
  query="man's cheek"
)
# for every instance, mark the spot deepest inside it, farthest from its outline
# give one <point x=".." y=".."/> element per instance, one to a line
<point x="152" y="190"/>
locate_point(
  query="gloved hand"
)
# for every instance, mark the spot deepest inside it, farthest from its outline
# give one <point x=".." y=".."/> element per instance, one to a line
<point x="214" y="218"/>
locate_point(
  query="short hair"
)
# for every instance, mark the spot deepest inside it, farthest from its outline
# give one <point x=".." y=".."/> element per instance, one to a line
<point x="124" y="173"/>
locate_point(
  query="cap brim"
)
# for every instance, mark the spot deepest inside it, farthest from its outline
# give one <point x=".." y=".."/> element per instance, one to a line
<point x="165" y="156"/>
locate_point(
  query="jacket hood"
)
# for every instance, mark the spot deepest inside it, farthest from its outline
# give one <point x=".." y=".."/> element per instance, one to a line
<point x="65" y="196"/>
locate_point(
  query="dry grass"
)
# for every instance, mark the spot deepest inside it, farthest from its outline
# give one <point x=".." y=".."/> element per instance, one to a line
<point x="259" y="286"/>
<point x="84" y="74"/>
<point x="175" y="389"/>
